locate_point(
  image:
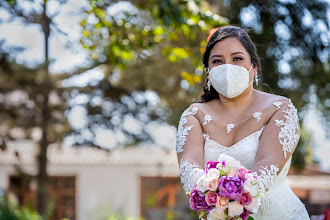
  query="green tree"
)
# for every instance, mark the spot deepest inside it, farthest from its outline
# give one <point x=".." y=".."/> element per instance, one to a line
<point x="148" y="46"/>
<point x="293" y="41"/>
<point x="12" y="212"/>
<point x="156" y="45"/>
<point x="31" y="98"/>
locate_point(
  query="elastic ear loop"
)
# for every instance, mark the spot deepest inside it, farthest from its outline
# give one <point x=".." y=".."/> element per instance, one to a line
<point x="252" y="79"/>
<point x="208" y="81"/>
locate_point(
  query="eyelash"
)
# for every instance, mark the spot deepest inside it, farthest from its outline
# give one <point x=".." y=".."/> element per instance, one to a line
<point x="235" y="59"/>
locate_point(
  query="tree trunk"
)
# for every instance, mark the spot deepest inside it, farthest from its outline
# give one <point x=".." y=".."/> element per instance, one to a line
<point x="42" y="197"/>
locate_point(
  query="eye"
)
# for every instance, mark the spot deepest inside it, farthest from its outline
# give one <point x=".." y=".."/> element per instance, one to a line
<point x="238" y="58"/>
<point x="217" y="61"/>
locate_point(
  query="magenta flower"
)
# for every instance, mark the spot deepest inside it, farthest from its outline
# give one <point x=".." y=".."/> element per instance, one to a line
<point x="210" y="164"/>
<point x="230" y="187"/>
<point x="245" y="215"/>
<point x="245" y="199"/>
<point x="197" y="201"/>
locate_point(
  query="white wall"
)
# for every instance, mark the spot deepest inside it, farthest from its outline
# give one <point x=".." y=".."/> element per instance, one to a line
<point x="101" y="190"/>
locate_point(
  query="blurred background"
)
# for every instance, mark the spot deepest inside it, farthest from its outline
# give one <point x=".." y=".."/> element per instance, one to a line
<point x="91" y="93"/>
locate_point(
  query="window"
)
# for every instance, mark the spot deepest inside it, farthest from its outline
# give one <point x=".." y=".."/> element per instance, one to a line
<point x="62" y="193"/>
<point x="164" y="198"/>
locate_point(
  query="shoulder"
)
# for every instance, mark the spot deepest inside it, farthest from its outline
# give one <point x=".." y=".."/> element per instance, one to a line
<point x="285" y="115"/>
<point x="201" y="108"/>
<point x="197" y="111"/>
<point x="269" y="99"/>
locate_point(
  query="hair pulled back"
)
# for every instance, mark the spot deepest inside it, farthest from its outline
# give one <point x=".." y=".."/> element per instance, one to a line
<point x="220" y="34"/>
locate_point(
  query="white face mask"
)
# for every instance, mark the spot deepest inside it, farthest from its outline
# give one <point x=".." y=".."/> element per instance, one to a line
<point x="230" y="80"/>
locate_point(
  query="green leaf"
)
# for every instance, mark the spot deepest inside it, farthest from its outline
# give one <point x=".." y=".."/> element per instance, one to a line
<point x="250" y="218"/>
<point x="159" y="30"/>
<point x="201" y="215"/>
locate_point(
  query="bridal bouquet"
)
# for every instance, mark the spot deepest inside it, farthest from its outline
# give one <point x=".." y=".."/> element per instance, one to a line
<point x="226" y="190"/>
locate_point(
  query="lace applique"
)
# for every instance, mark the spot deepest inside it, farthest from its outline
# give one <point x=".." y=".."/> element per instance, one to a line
<point x="183" y="132"/>
<point x="267" y="176"/>
<point x="229" y="127"/>
<point x="206" y="119"/>
<point x="278" y="105"/>
<point x="288" y="137"/>
<point x="189" y="173"/>
<point x="257" y="115"/>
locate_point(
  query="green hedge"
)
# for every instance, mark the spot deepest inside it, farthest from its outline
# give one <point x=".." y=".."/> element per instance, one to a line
<point x="11" y="212"/>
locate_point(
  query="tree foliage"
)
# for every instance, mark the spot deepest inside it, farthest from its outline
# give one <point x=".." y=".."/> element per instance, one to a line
<point x="31" y="98"/>
<point x="147" y="46"/>
<point x="156" y="45"/>
<point x="293" y="41"/>
<point x="21" y="104"/>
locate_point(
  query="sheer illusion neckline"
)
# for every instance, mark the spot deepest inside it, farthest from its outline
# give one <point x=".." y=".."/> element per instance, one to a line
<point x="207" y="137"/>
<point x="263" y="110"/>
<point x="230" y="126"/>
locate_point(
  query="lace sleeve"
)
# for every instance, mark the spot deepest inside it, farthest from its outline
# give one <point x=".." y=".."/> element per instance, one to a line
<point x="189" y="148"/>
<point x="277" y="143"/>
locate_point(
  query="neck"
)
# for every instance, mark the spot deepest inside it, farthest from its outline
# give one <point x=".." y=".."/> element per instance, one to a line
<point x="238" y="103"/>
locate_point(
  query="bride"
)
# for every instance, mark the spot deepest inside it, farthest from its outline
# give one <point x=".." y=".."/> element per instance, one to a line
<point x="259" y="129"/>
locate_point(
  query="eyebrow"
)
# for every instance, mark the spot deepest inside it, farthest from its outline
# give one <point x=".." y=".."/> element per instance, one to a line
<point x="238" y="52"/>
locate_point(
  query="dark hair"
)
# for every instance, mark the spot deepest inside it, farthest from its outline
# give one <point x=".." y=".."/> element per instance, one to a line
<point x="220" y="34"/>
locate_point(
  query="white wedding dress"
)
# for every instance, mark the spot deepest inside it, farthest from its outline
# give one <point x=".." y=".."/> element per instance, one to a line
<point x="279" y="202"/>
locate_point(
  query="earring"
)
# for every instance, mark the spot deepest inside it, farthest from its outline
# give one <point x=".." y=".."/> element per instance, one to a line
<point x="257" y="80"/>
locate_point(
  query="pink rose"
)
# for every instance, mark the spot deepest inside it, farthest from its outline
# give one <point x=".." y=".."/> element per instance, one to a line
<point x="241" y="173"/>
<point x="245" y="199"/>
<point x="213" y="184"/>
<point x="222" y="203"/>
<point x="211" y="198"/>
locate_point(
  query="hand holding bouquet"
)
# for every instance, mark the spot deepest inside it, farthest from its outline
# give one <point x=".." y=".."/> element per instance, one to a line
<point x="226" y="190"/>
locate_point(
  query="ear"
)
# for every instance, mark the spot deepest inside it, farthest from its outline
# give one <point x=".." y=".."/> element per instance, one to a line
<point x="255" y="70"/>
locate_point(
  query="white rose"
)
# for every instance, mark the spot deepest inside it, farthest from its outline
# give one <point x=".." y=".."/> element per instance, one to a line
<point x="216" y="214"/>
<point x="202" y="183"/>
<point x="250" y="188"/>
<point x="230" y="161"/>
<point x="250" y="176"/>
<point x="234" y="208"/>
<point x="233" y="171"/>
<point x="213" y="173"/>
<point x="194" y="176"/>
<point x="254" y="205"/>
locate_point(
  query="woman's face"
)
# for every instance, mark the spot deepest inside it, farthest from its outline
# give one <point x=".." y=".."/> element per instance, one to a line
<point x="231" y="51"/>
